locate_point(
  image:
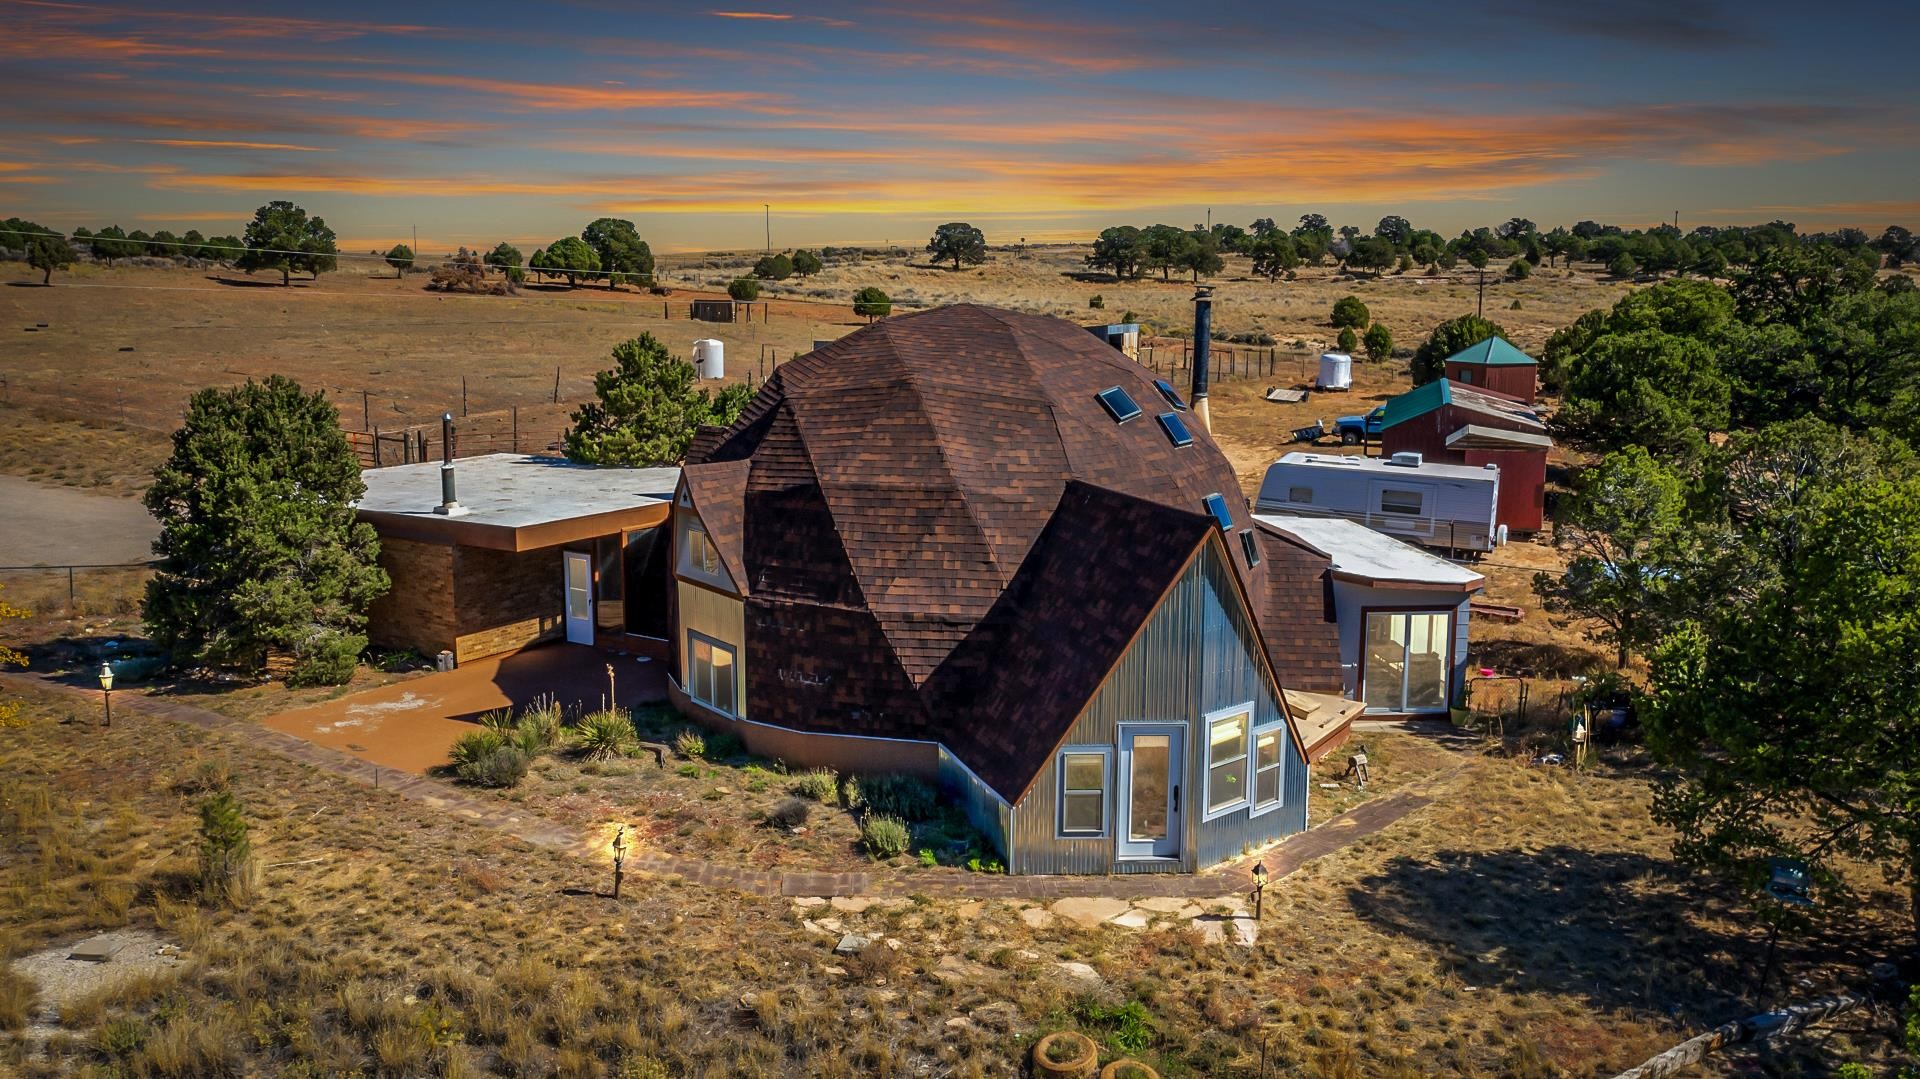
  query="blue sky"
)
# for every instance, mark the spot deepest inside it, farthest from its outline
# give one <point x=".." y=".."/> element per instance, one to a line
<point x="861" y="123"/>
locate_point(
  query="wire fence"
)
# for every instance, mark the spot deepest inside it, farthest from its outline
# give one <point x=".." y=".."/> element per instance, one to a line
<point x="77" y="591"/>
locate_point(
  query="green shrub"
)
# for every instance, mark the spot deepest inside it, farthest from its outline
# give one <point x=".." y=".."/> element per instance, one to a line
<point x="744" y="289"/>
<point x="690" y="743"/>
<point x="1350" y="311"/>
<point x="499" y="720"/>
<point x="820" y="784"/>
<point x="604" y="734"/>
<point x="927" y="858"/>
<point x="329" y="658"/>
<point x="894" y="795"/>
<point x="475" y="745"/>
<point x="884" y="837"/>
<point x="1347" y="341"/>
<point x="502" y="767"/>
<point x="228" y="871"/>
<point x="872" y="303"/>
<point x="539" y="730"/>
<point x="1519" y="270"/>
<point x="790" y="813"/>
<point x="1129" y="1026"/>
<point x="850" y="795"/>
<point x="1379" y="342"/>
<point x="724" y="747"/>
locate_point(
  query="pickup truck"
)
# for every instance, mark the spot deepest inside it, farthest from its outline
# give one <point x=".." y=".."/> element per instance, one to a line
<point x="1354" y="429"/>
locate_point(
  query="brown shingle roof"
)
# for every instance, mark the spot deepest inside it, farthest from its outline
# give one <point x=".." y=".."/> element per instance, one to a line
<point x="901" y="480"/>
<point x="1297" y="620"/>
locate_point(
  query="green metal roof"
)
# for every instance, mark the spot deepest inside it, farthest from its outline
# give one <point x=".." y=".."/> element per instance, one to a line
<point x="1493" y="352"/>
<point x="1416" y="402"/>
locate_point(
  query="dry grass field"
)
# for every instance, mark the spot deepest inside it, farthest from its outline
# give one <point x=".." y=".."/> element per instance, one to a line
<point x="1528" y="923"/>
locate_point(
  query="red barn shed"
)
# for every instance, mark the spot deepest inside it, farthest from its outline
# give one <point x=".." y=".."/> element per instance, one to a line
<point x="1495" y="365"/>
<point x="1448" y="423"/>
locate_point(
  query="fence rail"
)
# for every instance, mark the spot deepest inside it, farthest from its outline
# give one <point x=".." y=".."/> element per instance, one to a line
<point x="98" y="588"/>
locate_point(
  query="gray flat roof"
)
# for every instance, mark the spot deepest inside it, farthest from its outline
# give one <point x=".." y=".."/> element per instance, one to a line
<point x="516" y="491"/>
<point x="1359" y="551"/>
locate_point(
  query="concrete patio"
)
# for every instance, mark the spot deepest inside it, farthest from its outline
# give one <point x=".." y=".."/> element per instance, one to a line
<point x="411" y="725"/>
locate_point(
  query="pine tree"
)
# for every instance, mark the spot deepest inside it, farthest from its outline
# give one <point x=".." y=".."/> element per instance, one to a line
<point x="647" y="409"/>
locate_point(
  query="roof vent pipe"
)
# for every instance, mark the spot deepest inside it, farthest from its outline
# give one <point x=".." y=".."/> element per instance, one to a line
<point x="449" y="504"/>
<point x="1202" y="350"/>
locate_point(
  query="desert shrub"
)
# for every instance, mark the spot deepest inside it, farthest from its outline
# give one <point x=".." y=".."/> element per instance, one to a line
<point x="894" y="795"/>
<point x="790" y="813"/>
<point x="850" y="795"/>
<point x="744" y="289"/>
<point x="1128" y="1027"/>
<point x="537" y="731"/>
<point x="603" y="735"/>
<point x="1350" y="311"/>
<point x="476" y="744"/>
<point x="724" y="747"/>
<point x="884" y="837"/>
<point x="874" y="961"/>
<point x="207" y="775"/>
<point x="121" y="1037"/>
<point x="1347" y="341"/>
<point x="503" y="767"/>
<point x="1379" y="341"/>
<point x="1097" y="302"/>
<point x="820" y="784"/>
<point x="499" y="720"/>
<point x="1519" y="270"/>
<point x="690" y="744"/>
<point x="328" y="658"/>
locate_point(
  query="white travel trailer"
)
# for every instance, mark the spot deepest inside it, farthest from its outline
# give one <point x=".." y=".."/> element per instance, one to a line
<point x="1446" y="506"/>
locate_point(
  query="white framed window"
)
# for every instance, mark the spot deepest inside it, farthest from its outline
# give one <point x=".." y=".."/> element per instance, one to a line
<point x="710" y="673"/>
<point x="1302" y="495"/>
<point x="1406" y="503"/>
<point x="1268" y="744"/>
<point x="1086" y="776"/>
<point x="1227" y="776"/>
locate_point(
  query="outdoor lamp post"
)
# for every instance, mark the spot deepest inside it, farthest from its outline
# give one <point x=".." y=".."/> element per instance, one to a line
<point x="1787" y="886"/>
<point x="106" y="691"/>
<point x="1259" y="888"/>
<point x="619" y="858"/>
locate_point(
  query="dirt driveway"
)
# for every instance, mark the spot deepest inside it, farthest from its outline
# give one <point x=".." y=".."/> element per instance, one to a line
<point x="410" y="725"/>
<point x="45" y="525"/>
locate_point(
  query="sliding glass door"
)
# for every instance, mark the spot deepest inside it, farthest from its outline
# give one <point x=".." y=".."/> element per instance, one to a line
<point x="1405" y="661"/>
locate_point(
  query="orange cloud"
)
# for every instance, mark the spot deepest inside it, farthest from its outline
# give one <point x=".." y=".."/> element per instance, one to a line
<point x="582" y="98"/>
<point x="236" y="144"/>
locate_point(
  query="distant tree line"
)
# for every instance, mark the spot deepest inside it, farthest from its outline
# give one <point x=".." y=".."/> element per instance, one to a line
<point x="1127" y="251"/>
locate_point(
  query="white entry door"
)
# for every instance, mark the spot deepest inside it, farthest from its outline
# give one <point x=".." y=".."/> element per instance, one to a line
<point x="1151" y="772"/>
<point x="579" y="584"/>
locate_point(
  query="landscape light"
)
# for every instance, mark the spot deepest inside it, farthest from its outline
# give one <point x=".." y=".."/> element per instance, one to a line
<point x="1259" y="888"/>
<point x="619" y="857"/>
<point x="106" y="693"/>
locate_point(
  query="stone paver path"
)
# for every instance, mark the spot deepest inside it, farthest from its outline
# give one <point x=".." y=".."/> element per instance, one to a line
<point x="1234" y="877"/>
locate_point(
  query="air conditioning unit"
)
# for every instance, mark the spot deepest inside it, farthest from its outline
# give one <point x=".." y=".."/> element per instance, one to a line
<point x="1405" y="460"/>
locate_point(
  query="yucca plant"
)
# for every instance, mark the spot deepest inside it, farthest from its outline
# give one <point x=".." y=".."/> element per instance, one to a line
<point x="475" y="745"/>
<point x="498" y="719"/>
<point x="604" y="735"/>
<point x="538" y="730"/>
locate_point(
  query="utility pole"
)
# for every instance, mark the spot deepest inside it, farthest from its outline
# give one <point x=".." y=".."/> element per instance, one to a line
<point x="1480" y="308"/>
<point x="768" y="207"/>
<point x="1209" y="219"/>
<point x="416" y="241"/>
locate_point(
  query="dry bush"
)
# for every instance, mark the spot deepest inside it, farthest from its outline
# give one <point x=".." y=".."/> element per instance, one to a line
<point x="17" y="995"/>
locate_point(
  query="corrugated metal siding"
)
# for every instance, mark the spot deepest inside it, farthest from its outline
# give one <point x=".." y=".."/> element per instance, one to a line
<point x="983" y="807"/>
<point x="721" y="617"/>
<point x="1196" y="654"/>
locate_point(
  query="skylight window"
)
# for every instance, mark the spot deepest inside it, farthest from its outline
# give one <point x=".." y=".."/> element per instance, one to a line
<point x="1250" y="547"/>
<point x="1217" y="506"/>
<point x="1118" y="404"/>
<point x="1176" y="428"/>
<point x="1172" y="395"/>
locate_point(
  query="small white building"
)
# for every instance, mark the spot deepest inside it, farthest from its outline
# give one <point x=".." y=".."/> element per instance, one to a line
<point x="1451" y="507"/>
<point x="1402" y="614"/>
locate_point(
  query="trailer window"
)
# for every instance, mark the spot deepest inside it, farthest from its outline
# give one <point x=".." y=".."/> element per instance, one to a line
<point x="1407" y="503"/>
<point x="1302" y="495"/>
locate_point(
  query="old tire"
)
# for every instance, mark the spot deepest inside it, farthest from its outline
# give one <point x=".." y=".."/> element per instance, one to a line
<point x="1348" y="438"/>
<point x="1128" y="1069"/>
<point x="1082" y="1056"/>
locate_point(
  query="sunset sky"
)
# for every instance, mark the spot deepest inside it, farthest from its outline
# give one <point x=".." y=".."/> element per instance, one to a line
<point x="481" y="121"/>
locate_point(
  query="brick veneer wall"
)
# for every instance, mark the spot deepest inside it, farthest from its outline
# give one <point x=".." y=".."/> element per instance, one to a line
<point x="417" y="612"/>
<point x="504" y="600"/>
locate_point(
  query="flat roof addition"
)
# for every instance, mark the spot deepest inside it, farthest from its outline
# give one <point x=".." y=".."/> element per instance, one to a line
<point x="1360" y="553"/>
<point x="516" y="502"/>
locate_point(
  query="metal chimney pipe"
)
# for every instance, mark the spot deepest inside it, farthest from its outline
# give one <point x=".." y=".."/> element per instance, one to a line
<point x="1202" y="353"/>
<point x="449" y="502"/>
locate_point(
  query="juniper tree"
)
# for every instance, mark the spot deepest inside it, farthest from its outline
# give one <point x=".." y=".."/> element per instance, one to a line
<point x="647" y="409"/>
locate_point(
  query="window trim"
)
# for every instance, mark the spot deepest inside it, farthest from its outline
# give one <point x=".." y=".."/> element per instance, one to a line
<point x="1222" y="516"/>
<point x="1255" y="807"/>
<point x="733" y="652"/>
<point x="1171" y="394"/>
<point x="1113" y="409"/>
<point x="1207" y="810"/>
<point x="1175" y="429"/>
<point x="1293" y="496"/>
<point x="1106" y="755"/>
<point x="1249" y="547"/>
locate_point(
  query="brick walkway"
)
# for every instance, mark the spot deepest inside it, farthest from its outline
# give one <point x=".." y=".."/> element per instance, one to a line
<point x="1281" y="859"/>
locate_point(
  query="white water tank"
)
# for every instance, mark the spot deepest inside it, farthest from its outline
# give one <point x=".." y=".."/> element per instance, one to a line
<point x="1336" y="372"/>
<point x="709" y="358"/>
